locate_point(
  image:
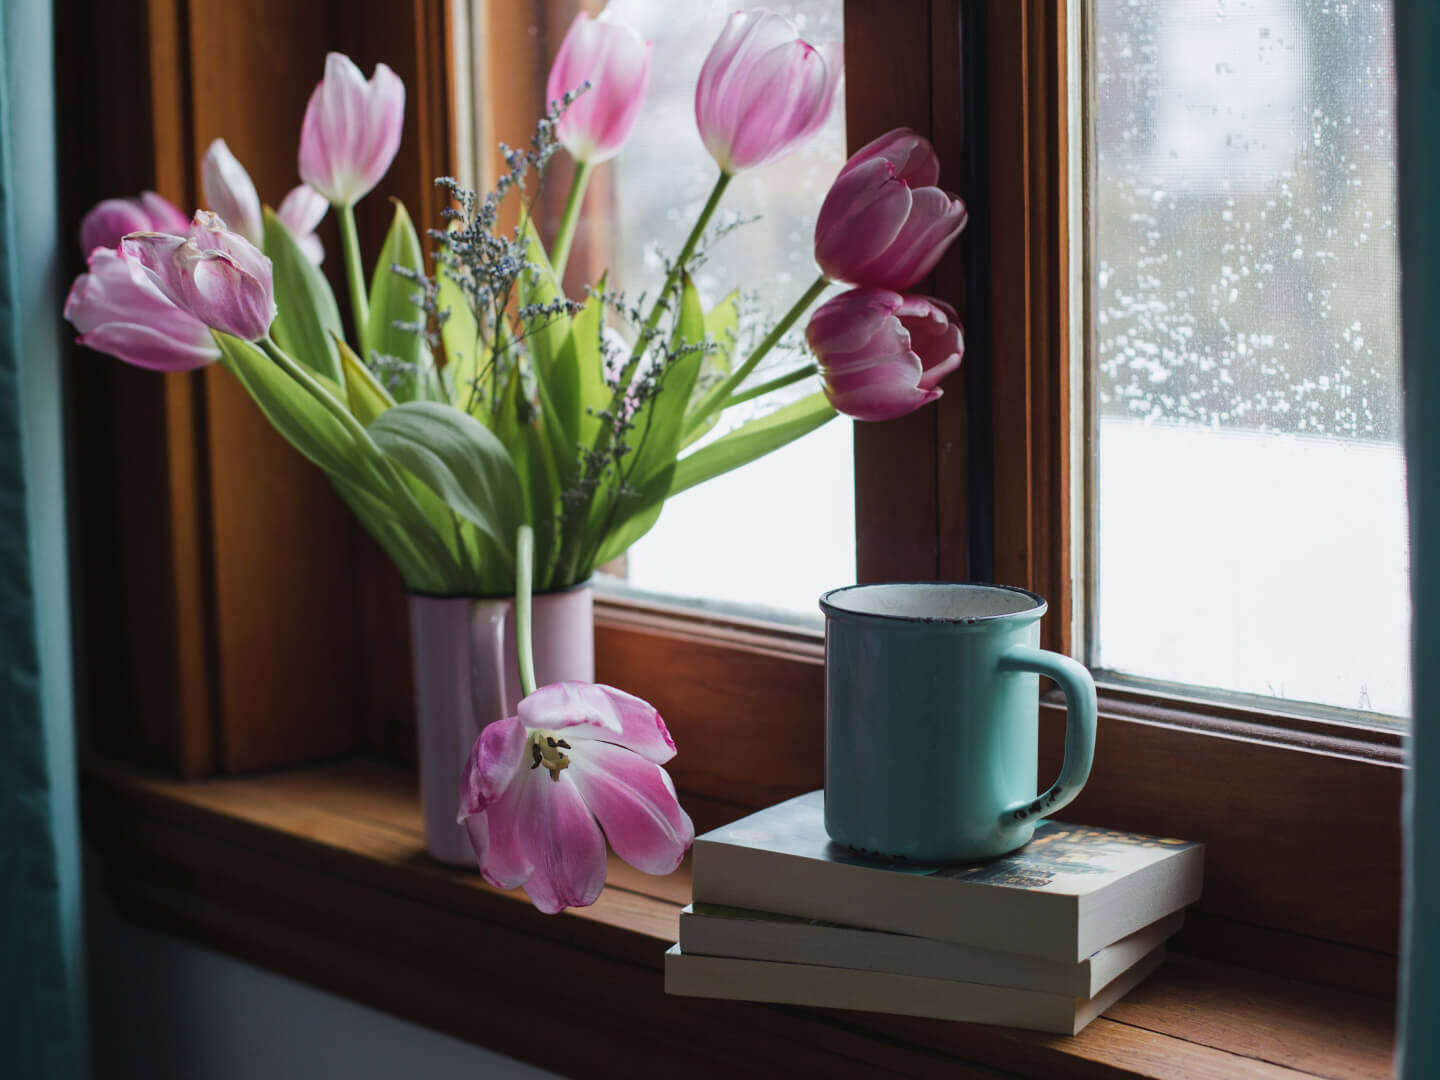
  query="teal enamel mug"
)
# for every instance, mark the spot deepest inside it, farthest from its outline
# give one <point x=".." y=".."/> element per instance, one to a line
<point x="932" y="717"/>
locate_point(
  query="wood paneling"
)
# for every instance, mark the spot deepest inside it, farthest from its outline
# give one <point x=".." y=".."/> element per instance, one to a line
<point x="1027" y="219"/>
<point x="896" y="496"/>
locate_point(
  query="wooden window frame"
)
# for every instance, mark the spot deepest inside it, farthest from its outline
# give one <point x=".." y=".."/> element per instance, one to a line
<point x="233" y="660"/>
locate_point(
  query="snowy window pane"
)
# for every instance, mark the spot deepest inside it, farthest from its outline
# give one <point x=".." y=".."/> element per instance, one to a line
<point x="781" y="531"/>
<point x="1250" y="506"/>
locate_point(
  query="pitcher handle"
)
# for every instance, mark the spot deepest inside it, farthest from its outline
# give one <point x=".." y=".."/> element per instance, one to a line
<point x="1080" y="708"/>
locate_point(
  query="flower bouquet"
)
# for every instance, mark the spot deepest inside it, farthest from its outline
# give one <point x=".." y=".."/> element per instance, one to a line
<point x="473" y="396"/>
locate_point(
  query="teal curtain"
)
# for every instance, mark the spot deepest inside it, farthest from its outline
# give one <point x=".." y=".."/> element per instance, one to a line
<point x="1417" y="62"/>
<point x="41" y="938"/>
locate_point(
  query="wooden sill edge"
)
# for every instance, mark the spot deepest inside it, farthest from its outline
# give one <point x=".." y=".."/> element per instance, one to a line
<point x="296" y="869"/>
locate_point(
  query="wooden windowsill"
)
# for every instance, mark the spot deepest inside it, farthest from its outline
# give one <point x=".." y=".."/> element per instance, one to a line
<point x="319" y="873"/>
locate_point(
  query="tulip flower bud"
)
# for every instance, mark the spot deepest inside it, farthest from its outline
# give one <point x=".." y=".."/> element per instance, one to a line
<point x="216" y="275"/>
<point x="763" y="91"/>
<point x="119" y="310"/>
<point x="615" y="61"/>
<point x="112" y="219"/>
<point x="351" y="130"/>
<point x="231" y="193"/>
<point x="884" y="223"/>
<point x="882" y="355"/>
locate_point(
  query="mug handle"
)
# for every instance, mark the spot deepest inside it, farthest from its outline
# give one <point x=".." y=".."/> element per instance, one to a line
<point x="1080" y="707"/>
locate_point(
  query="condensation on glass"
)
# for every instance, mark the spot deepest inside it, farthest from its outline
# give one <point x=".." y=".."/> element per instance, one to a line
<point x="1249" y="508"/>
<point x="781" y="531"/>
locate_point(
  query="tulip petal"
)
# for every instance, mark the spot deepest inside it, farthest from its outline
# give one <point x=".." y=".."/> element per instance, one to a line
<point x="864" y="212"/>
<point x="495" y="837"/>
<point x="593" y="711"/>
<point x="109" y="221"/>
<point x="156" y="253"/>
<point x="165" y="216"/>
<point x="146" y="347"/>
<point x="636" y="804"/>
<point x="119" y="310"/>
<point x="882" y="391"/>
<point x="230" y="192"/>
<point x="302" y="209"/>
<point x="762" y="90"/>
<point x="615" y="61"/>
<point x="935" y="220"/>
<point x="913" y="158"/>
<point x="849" y="322"/>
<point x="565" y="846"/>
<point x="494" y="759"/>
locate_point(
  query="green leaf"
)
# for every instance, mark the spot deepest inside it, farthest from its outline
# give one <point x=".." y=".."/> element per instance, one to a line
<point x="367" y="396"/>
<point x="661" y="420"/>
<point x="750" y="442"/>
<point x="722" y="323"/>
<point x="546" y="338"/>
<point x="391" y="301"/>
<point x="655" y="438"/>
<point x="318" y="425"/>
<point x="461" y="460"/>
<point x="460" y="335"/>
<point x="576" y="384"/>
<point x="639" y="521"/>
<point x="308" y="320"/>
<point x="297" y="412"/>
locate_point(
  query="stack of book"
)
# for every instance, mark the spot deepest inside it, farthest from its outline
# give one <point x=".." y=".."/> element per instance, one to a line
<point x="1047" y="937"/>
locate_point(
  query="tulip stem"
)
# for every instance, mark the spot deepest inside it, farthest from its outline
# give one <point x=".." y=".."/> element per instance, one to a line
<point x="774" y="384"/>
<point x="574" y="529"/>
<point x="355" y="273"/>
<point x="653" y="319"/>
<point x="718" y="398"/>
<point x="560" y="254"/>
<point x="524" y="567"/>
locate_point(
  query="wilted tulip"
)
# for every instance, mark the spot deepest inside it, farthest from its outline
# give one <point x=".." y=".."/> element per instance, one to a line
<point x="615" y="61"/>
<point x="763" y="91"/>
<point x="110" y="220"/>
<point x="881" y="354"/>
<point x="884" y="223"/>
<point x="120" y="311"/>
<point x="536" y="783"/>
<point x="216" y="275"/>
<point x="351" y="130"/>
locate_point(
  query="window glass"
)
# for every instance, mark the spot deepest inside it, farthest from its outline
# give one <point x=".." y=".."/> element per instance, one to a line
<point x="778" y="532"/>
<point x="1249" y="501"/>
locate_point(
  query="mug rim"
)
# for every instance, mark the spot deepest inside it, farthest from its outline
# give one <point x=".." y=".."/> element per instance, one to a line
<point x="1038" y="607"/>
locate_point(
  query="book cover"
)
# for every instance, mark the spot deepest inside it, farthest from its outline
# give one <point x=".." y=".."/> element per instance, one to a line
<point x="1064" y="896"/>
<point x="712" y="930"/>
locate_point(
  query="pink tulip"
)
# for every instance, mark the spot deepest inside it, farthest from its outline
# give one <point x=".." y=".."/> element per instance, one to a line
<point x="301" y="211"/>
<point x="351" y="130"/>
<point x="763" y="91"/>
<point x="536" y="783"/>
<point x="883" y="354"/>
<point x="110" y="220"/>
<point x="615" y="61"/>
<point x="231" y="193"/>
<point x="216" y="275"/>
<point x="884" y="223"/>
<point x="118" y="310"/>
